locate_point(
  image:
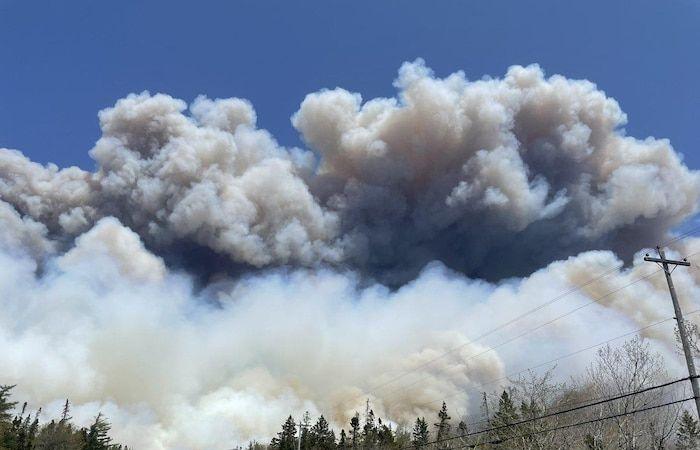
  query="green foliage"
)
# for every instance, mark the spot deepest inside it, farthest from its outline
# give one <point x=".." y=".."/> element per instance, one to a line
<point x="369" y="431"/>
<point x="688" y="434"/>
<point x="98" y="435"/>
<point x="506" y="414"/>
<point x="6" y="406"/>
<point x="443" y="427"/>
<point x="420" y="435"/>
<point x="355" y="431"/>
<point x="385" y="436"/>
<point x="343" y="441"/>
<point x="25" y="432"/>
<point x="286" y="439"/>
<point x="321" y="436"/>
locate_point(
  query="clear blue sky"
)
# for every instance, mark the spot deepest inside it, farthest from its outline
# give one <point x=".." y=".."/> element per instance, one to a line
<point x="60" y="62"/>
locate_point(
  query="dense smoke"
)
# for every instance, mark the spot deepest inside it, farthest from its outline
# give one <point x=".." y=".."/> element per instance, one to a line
<point x="451" y="170"/>
<point x="392" y="241"/>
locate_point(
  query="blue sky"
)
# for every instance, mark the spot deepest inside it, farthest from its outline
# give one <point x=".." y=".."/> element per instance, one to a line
<point x="60" y="62"/>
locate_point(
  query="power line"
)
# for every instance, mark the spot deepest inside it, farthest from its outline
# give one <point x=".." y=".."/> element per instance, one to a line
<point x="680" y="237"/>
<point x="532" y="330"/>
<point x="568" y="355"/>
<point x="578" y="424"/>
<point x="577" y="408"/>
<point x="515" y="319"/>
<point x="558" y="408"/>
<point x="682" y="332"/>
<point x="596" y="300"/>
<point x="498" y="328"/>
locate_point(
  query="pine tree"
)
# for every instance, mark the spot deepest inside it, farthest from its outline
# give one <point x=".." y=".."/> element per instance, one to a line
<point x="65" y="414"/>
<point x="305" y="430"/>
<point x="443" y="426"/>
<point x="343" y="441"/>
<point x="462" y="428"/>
<point x="506" y="415"/>
<point x="59" y="435"/>
<point x="321" y="436"/>
<point x="97" y="436"/>
<point x="369" y="431"/>
<point x="6" y="406"/>
<point x="355" y="430"/>
<point x="385" y="436"/>
<point x="286" y="439"/>
<point x="420" y="433"/>
<point x="688" y="434"/>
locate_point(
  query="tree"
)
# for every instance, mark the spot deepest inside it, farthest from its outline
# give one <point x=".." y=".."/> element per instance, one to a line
<point x="343" y="441"/>
<point x="65" y="414"/>
<point x="6" y="406"/>
<point x="420" y="433"/>
<point x="504" y="416"/>
<point x="443" y="426"/>
<point x="369" y="431"/>
<point x="385" y="436"/>
<point x="462" y="428"/>
<point x="97" y="437"/>
<point x="621" y="371"/>
<point x="305" y="431"/>
<point x="286" y="439"/>
<point x="321" y="436"/>
<point x="355" y="430"/>
<point x="688" y="434"/>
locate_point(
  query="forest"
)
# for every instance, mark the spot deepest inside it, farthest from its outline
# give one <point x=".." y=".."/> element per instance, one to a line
<point x="624" y="400"/>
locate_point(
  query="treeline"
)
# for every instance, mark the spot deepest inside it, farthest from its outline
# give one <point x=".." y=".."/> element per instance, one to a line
<point x="625" y="400"/>
<point x="23" y="431"/>
<point x="512" y="418"/>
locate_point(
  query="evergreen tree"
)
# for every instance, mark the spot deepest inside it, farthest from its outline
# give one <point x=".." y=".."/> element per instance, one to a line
<point x="443" y="426"/>
<point x="65" y="414"/>
<point x="355" y="430"/>
<point x="688" y="434"/>
<point x="6" y="406"/>
<point x="462" y="428"/>
<point x="305" y="431"/>
<point x="420" y="433"/>
<point x="369" y="431"/>
<point x="59" y="435"/>
<point x="343" y="441"/>
<point x="286" y="439"/>
<point x="321" y="436"/>
<point x="385" y="436"/>
<point x="97" y="436"/>
<point x="506" y="415"/>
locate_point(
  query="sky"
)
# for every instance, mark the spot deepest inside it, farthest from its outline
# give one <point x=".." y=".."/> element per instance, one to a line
<point x="61" y="62"/>
<point x="276" y="289"/>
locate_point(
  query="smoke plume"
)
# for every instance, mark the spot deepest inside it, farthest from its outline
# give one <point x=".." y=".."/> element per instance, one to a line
<point x="411" y="226"/>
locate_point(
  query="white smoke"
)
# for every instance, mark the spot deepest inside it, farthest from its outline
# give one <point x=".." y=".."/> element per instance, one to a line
<point x="451" y="181"/>
<point x="107" y="326"/>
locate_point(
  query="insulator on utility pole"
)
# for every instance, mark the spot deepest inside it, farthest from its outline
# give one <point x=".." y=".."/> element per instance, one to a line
<point x="682" y="331"/>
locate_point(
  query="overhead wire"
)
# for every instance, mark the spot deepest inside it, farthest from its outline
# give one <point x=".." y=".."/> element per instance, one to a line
<point x="567" y="411"/>
<point x="568" y="355"/>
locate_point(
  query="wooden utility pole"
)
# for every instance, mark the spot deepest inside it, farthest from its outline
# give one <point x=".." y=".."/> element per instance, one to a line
<point x="682" y="331"/>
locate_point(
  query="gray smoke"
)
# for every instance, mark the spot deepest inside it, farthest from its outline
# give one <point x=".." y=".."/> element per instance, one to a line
<point x="443" y="194"/>
<point x="450" y="170"/>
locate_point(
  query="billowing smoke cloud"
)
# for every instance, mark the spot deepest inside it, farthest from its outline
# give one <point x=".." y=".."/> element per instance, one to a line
<point x="174" y="367"/>
<point x="392" y="241"/>
<point x="451" y="170"/>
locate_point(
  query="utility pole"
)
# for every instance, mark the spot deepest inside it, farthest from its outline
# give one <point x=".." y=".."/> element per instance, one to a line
<point x="301" y="432"/>
<point x="682" y="331"/>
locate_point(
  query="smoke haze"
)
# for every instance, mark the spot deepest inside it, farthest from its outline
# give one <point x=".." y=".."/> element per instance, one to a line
<point x="205" y="275"/>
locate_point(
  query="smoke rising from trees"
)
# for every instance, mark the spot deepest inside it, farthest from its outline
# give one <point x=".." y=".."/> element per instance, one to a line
<point x="410" y="226"/>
